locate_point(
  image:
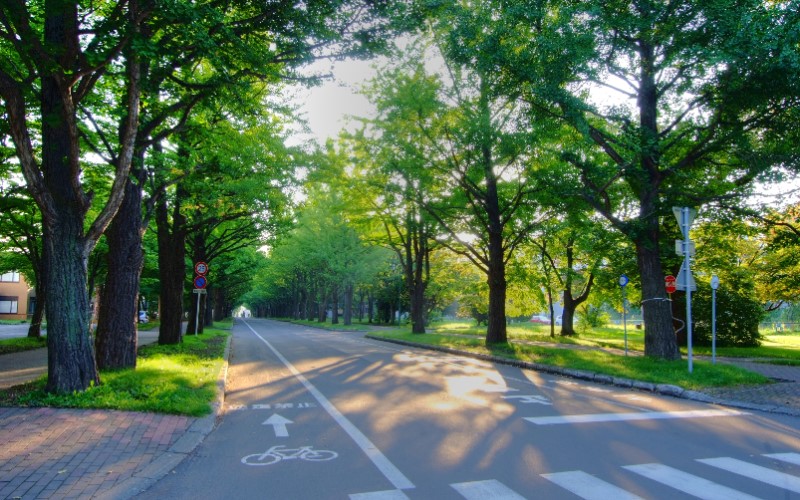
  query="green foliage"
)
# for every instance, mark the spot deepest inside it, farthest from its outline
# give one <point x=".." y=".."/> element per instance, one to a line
<point x="591" y="316"/>
<point x="738" y="317"/>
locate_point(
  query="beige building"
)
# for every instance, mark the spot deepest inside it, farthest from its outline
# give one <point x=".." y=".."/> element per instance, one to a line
<point x="16" y="297"/>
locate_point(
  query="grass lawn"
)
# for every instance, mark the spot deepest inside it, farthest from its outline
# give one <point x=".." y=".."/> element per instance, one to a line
<point x="525" y="345"/>
<point x="178" y="379"/>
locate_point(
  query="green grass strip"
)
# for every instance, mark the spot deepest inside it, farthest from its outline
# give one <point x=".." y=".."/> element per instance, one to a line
<point x="19" y="344"/>
<point x="175" y="379"/>
<point x="704" y="375"/>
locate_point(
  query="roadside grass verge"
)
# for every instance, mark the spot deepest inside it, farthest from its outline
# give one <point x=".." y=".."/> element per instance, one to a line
<point x="776" y="348"/>
<point x="175" y="379"/>
<point x="19" y="344"/>
<point x="704" y="375"/>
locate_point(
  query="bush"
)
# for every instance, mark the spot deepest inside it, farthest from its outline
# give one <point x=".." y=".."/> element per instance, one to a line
<point x="590" y="316"/>
<point x="738" y="317"/>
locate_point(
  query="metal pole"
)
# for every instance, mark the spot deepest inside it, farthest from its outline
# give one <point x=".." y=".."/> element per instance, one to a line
<point x="624" y="321"/>
<point x="197" y="313"/>
<point x="714" y="286"/>
<point x="686" y="249"/>
<point x="713" y="326"/>
<point x="623" y="281"/>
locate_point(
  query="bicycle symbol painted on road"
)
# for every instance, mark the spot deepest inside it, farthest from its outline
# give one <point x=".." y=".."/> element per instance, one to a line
<point x="278" y="453"/>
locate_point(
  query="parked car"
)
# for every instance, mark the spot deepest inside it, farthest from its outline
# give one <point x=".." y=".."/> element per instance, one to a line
<point x="143" y="317"/>
<point x="544" y="319"/>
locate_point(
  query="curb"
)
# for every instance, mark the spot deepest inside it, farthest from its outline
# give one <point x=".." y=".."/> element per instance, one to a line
<point x="194" y="435"/>
<point x="662" y="389"/>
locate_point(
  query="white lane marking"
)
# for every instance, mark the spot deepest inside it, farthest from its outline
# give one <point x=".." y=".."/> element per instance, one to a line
<point x="687" y="483"/>
<point x="792" y="458"/>
<point x="380" y="495"/>
<point x="480" y="490"/>
<point x="531" y="399"/>
<point x="589" y="487"/>
<point x="622" y="417"/>
<point x="387" y="468"/>
<point x="757" y="472"/>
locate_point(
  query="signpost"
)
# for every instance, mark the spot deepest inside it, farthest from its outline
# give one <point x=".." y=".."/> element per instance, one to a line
<point x="623" y="281"/>
<point x="200" y="284"/>
<point x="685" y="216"/>
<point x="714" y="286"/>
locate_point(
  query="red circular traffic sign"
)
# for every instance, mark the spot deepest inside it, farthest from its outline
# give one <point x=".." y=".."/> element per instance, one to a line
<point x="201" y="268"/>
<point x="671" y="288"/>
<point x="670" y="279"/>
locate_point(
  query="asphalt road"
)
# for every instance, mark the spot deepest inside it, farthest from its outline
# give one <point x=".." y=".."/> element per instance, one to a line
<point x="316" y="414"/>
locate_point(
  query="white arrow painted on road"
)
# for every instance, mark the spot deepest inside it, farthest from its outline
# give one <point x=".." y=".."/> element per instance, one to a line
<point x="279" y="424"/>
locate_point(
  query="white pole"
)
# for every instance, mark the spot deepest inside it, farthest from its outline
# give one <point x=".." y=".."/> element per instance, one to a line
<point x="714" y="286"/>
<point x="623" y="281"/>
<point x="624" y="321"/>
<point x="686" y="249"/>
<point x="197" y="313"/>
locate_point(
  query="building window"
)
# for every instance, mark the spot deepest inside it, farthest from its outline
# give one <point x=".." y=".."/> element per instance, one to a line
<point x="9" y="277"/>
<point x="8" y="305"/>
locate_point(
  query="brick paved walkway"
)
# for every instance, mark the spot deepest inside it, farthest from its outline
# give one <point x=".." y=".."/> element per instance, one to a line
<point x="57" y="453"/>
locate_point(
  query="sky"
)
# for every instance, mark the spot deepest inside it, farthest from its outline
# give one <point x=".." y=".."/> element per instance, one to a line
<point x="327" y="106"/>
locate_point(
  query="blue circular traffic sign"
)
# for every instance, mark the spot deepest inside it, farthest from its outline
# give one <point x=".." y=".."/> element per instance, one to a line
<point x="200" y="282"/>
<point x="623" y="280"/>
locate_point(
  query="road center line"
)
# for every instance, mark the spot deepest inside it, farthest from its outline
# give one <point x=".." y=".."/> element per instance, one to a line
<point x="387" y="468"/>
<point x="622" y="417"/>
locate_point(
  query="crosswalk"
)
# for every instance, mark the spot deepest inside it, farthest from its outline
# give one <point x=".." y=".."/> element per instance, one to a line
<point x="590" y="487"/>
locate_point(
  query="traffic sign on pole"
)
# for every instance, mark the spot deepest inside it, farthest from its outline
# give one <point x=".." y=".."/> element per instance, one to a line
<point x="669" y="283"/>
<point x="201" y="268"/>
<point x="685" y="279"/>
<point x="685" y="216"/>
<point x="200" y="282"/>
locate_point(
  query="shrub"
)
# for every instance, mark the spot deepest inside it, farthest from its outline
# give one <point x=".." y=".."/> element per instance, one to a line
<point x="738" y="317"/>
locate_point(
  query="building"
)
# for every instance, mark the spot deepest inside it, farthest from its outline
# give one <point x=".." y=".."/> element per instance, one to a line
<point x="16" y="297"/>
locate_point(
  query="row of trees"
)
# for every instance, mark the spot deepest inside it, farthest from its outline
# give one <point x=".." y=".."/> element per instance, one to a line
<point x="555" y="137"/>
<point x="568" y="131"/>
<point x="119" y="111"/>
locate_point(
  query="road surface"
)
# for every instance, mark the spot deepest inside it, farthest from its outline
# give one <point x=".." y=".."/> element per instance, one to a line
<point x="312" y="414"/>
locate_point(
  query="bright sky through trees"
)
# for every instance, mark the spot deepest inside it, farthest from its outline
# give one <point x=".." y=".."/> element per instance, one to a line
<point x="326" y="107"/>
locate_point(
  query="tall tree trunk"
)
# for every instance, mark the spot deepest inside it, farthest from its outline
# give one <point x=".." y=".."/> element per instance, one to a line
<point x="349" y="291"/>
<point x="70" y="361"/>
<point x="659" y="339"/>
<point x="335" y="305"/>
<point x="116" y="336"/>
<point x="71" y="365"/>
<point x="572" y="302"/>
<point x="35" y="328"/>
<point x="496" y="332"/>
<point x="171" y="270"/>
<point x="219" y="305"/>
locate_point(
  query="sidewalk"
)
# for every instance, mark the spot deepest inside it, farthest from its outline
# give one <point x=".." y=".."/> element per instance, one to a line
<point x="63" y="453"/>
<point x="66" y="453"/>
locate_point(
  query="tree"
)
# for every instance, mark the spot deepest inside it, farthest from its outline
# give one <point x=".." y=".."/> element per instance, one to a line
<point x="57" y="51"/>
<point x="688" y="112"/>
<point x="21" y="226"/>
<point x="470" y="163"/>
<point x="231" y="55"/>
